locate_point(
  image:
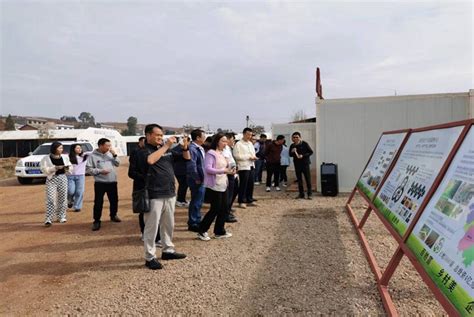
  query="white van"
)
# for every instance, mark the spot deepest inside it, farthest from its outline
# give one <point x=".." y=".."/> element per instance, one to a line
<point x="28" y="168"/>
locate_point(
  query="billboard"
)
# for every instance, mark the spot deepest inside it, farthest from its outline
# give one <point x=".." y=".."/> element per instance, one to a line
<point x="413" y="175"/>
<point x="382" y="157"/>
<point x="443" y="237"/>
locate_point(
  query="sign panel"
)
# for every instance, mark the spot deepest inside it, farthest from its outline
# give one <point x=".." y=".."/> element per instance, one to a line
<point x="413" y="175"/>
<point x="443" y="238"/>
<point x="384" y="152"/>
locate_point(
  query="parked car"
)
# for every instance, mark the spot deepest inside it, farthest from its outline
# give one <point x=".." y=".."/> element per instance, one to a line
<point x="28" y="168"/>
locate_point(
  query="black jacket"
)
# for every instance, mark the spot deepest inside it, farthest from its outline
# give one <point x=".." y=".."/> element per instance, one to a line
<point x="304" y="149"/>
<point x="134" y="172"/>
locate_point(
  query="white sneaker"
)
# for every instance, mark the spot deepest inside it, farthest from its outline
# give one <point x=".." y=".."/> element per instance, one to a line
<point x="284" y="185"/>
<point x="277" y="189"/>
<point x="256" y="183"/>
<point x="141" y="237"/>
<point x="268" y="189"/>
<point x="243" y="206"/>
<point x="203" y="236"/>
<point x="223" y="236"/>
<point x="180" y="204"/>
<point x="62" y="220"/>
<point x="158" y="244"/>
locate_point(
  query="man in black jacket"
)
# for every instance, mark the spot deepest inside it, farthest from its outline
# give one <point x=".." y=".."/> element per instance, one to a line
<point x="156" y="161"/>
<point x="138" y="178"/>
<point x="301" y="153"/>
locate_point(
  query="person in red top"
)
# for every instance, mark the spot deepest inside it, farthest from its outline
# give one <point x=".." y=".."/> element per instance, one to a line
<point x="273" y="156"/>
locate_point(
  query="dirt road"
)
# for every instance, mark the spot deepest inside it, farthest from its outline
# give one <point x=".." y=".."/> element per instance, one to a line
<point x="286" y="257"/>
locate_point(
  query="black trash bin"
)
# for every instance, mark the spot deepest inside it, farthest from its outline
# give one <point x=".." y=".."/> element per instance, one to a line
<point x="329" y="179"/>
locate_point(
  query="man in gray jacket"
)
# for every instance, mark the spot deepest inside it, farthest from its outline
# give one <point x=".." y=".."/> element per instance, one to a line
<point x="101" y="163"/>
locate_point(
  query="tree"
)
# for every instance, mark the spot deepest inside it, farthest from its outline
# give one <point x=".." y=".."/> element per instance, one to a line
<point x="68" y="118"/>
<point x="9" y="123"/>
<point x="257" y="129"/>
<point x="299" y="115"/>
<point x="131" y="126"/>
<point x="87" y="120"/>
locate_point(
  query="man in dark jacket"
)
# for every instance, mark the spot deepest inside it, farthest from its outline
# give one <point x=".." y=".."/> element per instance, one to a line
<point x="156" y="161"/>
<point x="180" y="172"/>
<point x="273" y="157"/>
<point x="195" y="177"/>
<point x="260" y="153"/>
<point x="301" y="152"/>
<point x="138" y="178"/>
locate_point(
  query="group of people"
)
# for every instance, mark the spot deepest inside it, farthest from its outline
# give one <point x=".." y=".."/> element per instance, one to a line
<point x="275" y="157"/>
<point x="217" y="172"/>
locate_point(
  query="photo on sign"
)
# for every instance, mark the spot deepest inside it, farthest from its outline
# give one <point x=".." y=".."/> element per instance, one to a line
<point x="448" y="208"/>
<point x="452" y="188"/>
<point x="464" y="194"/>
<point x="438" y="245"/>
<point x="431" y="240"/>
<point x="424" y="232"/>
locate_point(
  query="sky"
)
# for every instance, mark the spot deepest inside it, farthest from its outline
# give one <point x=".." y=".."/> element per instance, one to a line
<point x="212" y="63"/>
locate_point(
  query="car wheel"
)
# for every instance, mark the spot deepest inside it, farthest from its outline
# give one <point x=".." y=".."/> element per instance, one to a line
<point x="24" y="181"/>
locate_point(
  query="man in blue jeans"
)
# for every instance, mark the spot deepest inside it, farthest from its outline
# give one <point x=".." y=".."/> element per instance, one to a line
<point x="195" y="178"/>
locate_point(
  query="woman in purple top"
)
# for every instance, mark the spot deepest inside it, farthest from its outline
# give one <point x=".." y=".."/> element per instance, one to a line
<point x="216" y="168"/>
<point x="75" y="181"/>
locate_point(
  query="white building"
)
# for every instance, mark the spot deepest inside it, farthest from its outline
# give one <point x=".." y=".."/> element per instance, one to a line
<point x="347" y="130"/>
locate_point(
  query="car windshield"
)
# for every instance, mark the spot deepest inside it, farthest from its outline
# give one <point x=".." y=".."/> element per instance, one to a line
<point x="44" y="149"/>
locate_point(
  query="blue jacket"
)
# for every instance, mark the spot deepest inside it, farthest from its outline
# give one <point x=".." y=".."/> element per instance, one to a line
<point x="195" y="167"/>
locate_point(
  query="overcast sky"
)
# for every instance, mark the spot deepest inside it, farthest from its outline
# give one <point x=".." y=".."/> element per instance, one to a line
<point x="213" y="63"/>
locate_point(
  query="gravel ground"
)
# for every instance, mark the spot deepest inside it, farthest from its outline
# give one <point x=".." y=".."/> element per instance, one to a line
<point x="286" y="257"/>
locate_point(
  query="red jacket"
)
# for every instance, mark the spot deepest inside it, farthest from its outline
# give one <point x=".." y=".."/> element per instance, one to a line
<point x="273" y="153"/>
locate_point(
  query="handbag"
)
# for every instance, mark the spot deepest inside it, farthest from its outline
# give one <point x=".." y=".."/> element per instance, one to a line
<point x="140" y="200"/>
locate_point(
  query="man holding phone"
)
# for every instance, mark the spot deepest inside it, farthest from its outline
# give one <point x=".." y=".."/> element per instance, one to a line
<point x="301" y="153"/>
<point x="101" y="163"/>
<point x="156" y="161"/>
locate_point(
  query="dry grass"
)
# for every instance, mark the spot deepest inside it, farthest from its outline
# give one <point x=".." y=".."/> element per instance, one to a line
<point x="7" y="167"/>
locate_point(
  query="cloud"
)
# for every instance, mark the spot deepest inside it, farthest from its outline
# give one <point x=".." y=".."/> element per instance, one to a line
<point x="216" y="62"/>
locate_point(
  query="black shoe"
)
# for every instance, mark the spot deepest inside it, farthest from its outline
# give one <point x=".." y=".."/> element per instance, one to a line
<point x="96" y="226"/>
<point x="253" y="199"/>
<point x="153" y="265"/>
<point x="69" y="205"/>
<point x="115" y="219"/>
<point x="77" y="210"/>
<point x="299" y="197"/>
<point x="309" y="197"/>
<point x="194" y="228"/>
<point x="47" y="224"/>
<point x="172" y="256"/>
<point x="231" y="219"/>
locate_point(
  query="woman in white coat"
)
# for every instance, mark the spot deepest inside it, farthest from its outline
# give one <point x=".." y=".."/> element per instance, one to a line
<point x="56" y="166"/>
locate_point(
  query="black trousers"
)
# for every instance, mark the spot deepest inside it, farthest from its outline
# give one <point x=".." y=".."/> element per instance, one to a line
<point x="283" y="176"/>
<point x="273" y="169"/>
<point x="218" y="211"/>
<point x="303" y="171"/>
<point x="246" y="186"/>
<point x="112" y="194"/>
<point x="182" y="188"/>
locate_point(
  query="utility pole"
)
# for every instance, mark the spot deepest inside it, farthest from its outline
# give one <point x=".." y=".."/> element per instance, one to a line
<point x="247" y="118"/>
